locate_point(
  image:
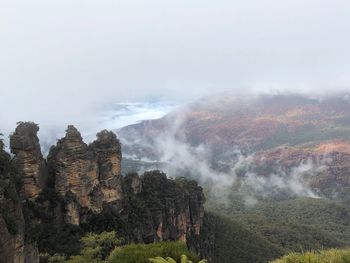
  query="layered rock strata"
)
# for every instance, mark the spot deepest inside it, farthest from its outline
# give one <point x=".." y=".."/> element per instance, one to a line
<point x="14" y="247"/>
<point x="24" y="144"/>
<point x="171" y="209"/>
<point x="107" y="150"/>
<point x="82" y="185"/>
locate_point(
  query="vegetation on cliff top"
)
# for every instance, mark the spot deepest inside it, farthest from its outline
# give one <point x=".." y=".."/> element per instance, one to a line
<point x="293" y="225"/>
<point x="183" y="259"/>
<point x="234" y="243"/>
<point x="106" y="247"/>
<point x="140" y="253"/>
<point x="325" y="256"/>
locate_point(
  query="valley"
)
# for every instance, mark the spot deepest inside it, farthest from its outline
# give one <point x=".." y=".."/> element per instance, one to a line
<point x="218" y="175"/>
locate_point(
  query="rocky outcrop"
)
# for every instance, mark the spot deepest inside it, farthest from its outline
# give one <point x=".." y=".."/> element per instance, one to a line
<point x="133" y="183"/>
<point x="24" y="143"/>
<point x="12" y="244"/>
<point x="86" y="193"/>
<point x="76" y="174"/>
<point x="109" y="156"/>
<point x="87" y="177"/>
<point x="171" y="209"/>
<point x="14" y="248"/>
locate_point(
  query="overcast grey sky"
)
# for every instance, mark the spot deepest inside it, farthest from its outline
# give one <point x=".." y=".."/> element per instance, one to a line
<point x="62" y="59"/>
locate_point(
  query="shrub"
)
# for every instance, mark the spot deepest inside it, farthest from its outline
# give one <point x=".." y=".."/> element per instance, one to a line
<point x="96" y="247"/>
<point x="183" y="259"/>
<point x="141" y="253"/>
<point x="325" y="256"/>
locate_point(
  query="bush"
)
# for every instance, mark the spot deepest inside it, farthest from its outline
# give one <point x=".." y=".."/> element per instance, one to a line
<point x="142" y="253"/>
<point x="325" y="256"/>
<point x="184" y="259"/>
<point x="96" y="247"/>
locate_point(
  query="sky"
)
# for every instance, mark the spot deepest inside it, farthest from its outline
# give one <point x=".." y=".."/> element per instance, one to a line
<point x="64" y="61"/>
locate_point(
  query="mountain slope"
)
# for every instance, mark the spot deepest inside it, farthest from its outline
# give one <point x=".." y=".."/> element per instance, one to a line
<point x="294" y="225"/>
<point x="234" y="243"/>
<point x="280" y="131"/>
<point x="263" y="157"/>
<point x="257" y="123"/>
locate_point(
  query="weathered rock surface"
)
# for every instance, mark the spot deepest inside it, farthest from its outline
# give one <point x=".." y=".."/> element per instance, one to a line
<point x="109" y="156"/>
<point x="133" y="183"/>
<point x="24" y="143"/>
<point x="13" y="246"/>
<point x="86" y="189"/>
<point x="171" y="209"/>
<point x="75" y="171"/>
<point x="87" y="177"/>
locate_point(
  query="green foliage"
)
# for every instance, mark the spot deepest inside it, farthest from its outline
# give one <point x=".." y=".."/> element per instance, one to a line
<point x="325" y="256"/>
<point x="96" y="247"/>
<point x="52" y="237"/>
<point x="183" y="259"/>
<point x="1" y="142"/>
<point x="234" y="243"/>
<point x="57" y="258"/>
<point x="10" y="184"/>
<point x="301" y="224"/>
<point x="293" y="225"/>
<point x="139" y="253"/>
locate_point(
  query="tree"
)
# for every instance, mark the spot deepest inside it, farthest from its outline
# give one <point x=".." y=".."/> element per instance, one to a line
<point x="142" y="253"/>
<point x="183" y="259"/>
<point x="96" y="247"/>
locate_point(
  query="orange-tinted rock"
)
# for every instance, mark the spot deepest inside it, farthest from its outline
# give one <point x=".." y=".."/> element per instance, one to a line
<point x="89" y="175"/>
<point x="14" y="246"/>
<point x="75" y="171"/>
<point x="108" y="152"/>
<point x="332" y="157"/>
<point x="179" y="213"/>
<point x="24" y="143"/>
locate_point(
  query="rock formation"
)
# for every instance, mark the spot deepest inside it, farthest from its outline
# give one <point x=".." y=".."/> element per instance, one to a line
<point x="171" y="209"/>
<point x="109" y="156"/>
<point x="87" y="177"/>
<point x="14" y="248"/>
<point x="24" y="143"/>
<point x="76" y="173"/>
<point x="82" y="185"/>
<point x="12" y="240"/>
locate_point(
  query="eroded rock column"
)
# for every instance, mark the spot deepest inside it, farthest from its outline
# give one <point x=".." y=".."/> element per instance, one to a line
<point x="75" y="172"/>
<point x="108" y="152"/>
<point x="24" y="143"/>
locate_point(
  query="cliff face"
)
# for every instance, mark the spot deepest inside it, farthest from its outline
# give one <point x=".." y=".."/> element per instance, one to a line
<point x="14" y="248"/>
<point x="76" y="174"/>
<point x="80" y="189"/>
<point x="86" y="177"/>
<point x="24" y="143"/>
<point x="171" y="209"/>
<point x="108" y="152"/>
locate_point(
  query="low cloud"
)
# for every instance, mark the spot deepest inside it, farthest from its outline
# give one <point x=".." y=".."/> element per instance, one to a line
<point x="179" y="158"/>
